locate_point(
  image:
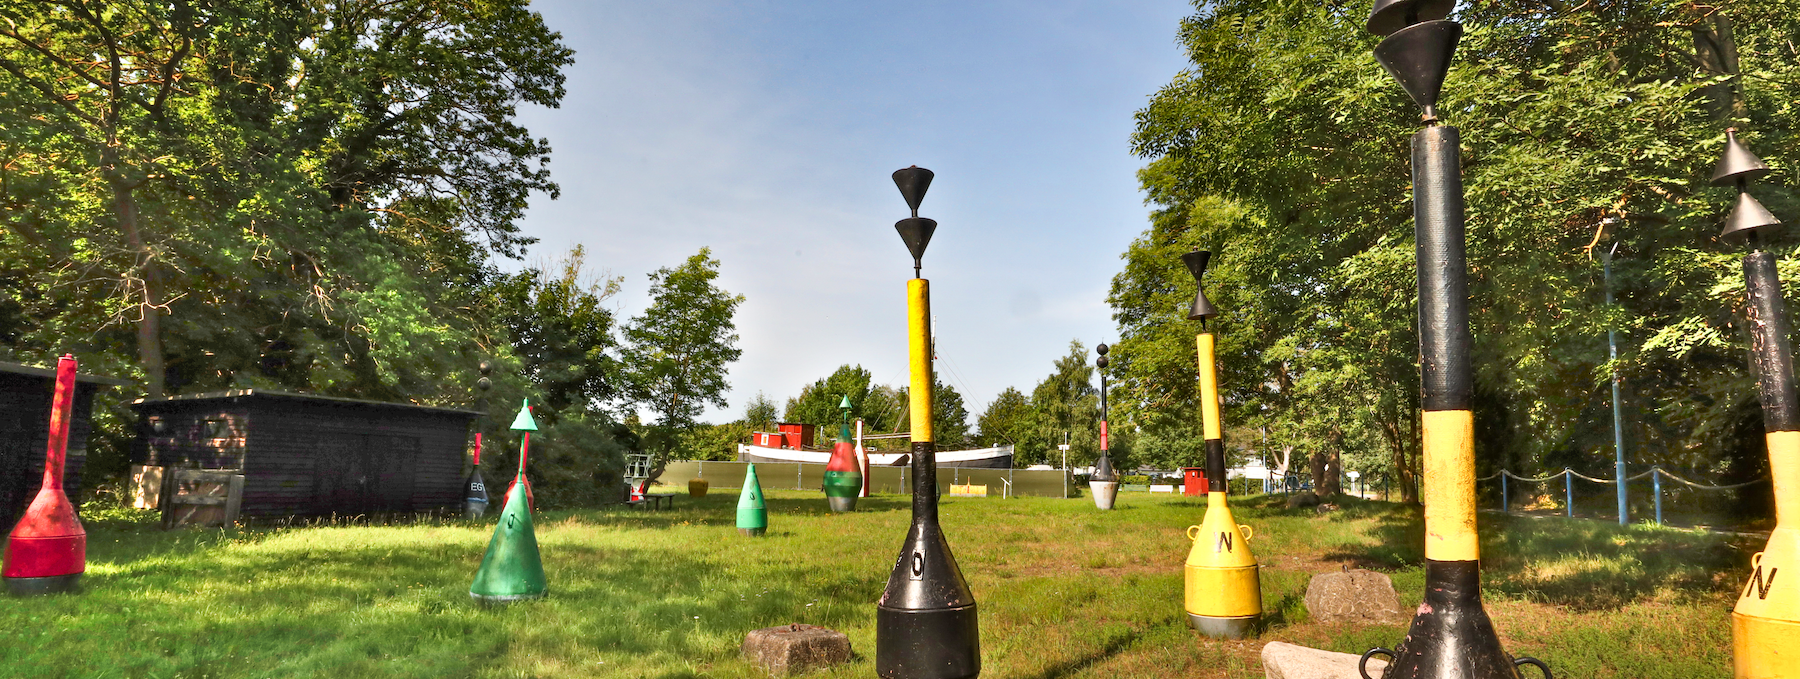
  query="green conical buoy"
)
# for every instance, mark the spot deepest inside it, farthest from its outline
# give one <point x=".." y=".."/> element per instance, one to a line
<point x="753" y="515"/>
<point x="512" y="569"/>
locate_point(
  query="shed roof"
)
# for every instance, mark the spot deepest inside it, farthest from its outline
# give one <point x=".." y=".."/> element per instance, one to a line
<point x="291" y="396"/>
<point x="34" y="371"/>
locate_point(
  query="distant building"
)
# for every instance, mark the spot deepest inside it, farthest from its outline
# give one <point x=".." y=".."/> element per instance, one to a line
<point x="792" y="436"/>
<point x="306" y="455"/>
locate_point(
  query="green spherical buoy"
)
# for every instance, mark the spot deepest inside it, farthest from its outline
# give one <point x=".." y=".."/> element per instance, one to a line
<point x="753" y="515"/>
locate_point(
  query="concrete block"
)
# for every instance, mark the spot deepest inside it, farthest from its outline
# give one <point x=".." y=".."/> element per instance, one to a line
<point x="1289" y="661"/>
<point x="1355" y="596"/>
<point x="792" y="649"/>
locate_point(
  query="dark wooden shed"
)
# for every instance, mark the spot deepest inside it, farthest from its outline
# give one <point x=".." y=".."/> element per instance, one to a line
<point x="25" y="396"/>
<point x="306" y="455"/>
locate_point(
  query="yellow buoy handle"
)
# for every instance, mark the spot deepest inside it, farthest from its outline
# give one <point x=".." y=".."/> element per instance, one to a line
<point x="1193" y="533"/>
<point x="1755" y="559"/>
<point x="1247" y="532"/>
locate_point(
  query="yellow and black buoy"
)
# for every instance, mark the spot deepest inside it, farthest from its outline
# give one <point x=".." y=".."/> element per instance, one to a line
<point x="926" y="623"/>
<point x="1765" y="625"/>
<point x="1223" y="589"/>
<point x="1451" y="636"/>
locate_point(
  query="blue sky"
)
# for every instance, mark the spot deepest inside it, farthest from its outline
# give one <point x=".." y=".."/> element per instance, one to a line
<point x="768" y="131"/>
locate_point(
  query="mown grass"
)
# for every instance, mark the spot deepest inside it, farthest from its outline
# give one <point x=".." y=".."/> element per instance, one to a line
<point x="1064" y="590"/>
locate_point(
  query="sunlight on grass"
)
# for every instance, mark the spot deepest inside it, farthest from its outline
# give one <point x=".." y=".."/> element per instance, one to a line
<point x="1064" y="590"/>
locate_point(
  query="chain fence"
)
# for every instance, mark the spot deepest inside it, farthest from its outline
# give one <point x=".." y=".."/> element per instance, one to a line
<point x="1367" y="487"/>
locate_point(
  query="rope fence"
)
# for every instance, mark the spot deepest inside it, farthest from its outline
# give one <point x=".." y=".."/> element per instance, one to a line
<point x="1295" y="480"/>
<point x="1568" y="475"/>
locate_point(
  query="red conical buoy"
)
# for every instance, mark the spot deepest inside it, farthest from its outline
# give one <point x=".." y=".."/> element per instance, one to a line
<point x="48" y="549"/>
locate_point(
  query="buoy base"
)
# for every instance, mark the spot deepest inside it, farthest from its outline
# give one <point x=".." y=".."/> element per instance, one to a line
<point x="1224" y="628"/>
<point x="1105" y="492"/>
<point x="503" y="599"/>
<point x="1762" y="648"/>
<point x="842" y="504"/>
<point x="752" y="532"/>
<point x="473" y="511"/>
<point x="936" y="644"/>
<point x="55" y="584"/>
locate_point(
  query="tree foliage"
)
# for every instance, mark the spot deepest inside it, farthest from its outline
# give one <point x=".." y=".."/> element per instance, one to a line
<point x="311" y="196"/>
<point x="1284" y="147"/>
<point x="677" y="351"/>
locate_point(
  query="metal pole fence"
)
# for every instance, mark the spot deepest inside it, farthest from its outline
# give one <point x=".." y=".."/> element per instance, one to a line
<point x="1656" y="482"/>
<point x="1569" y="492"/>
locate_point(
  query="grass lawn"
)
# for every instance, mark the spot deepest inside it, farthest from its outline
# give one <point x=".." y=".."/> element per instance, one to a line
<point x="1064" y="591"/>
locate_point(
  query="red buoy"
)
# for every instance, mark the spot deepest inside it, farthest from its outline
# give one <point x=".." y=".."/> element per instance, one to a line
<point x="47" y="551"/>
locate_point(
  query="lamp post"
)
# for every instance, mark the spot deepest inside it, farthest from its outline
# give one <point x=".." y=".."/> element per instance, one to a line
<point x="1765" y="625"/>
<point x="1223" y="592"/>
<point x="1105" y="481"/>
<point x="1451" y="636"/>
<point x="925" y="622"/>
<point x="1612" y="353"/>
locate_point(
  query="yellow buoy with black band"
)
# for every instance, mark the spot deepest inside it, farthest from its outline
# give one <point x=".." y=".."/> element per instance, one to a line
<point x="1765" y="625"/>
<point x="1223" y="590"/>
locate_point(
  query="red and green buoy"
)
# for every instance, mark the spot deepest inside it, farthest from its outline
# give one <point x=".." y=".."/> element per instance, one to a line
<point x="753" y="515"/>
<point x="47" y="552"/>
<point x="512" y="569"/>
<point x="843" y="476"/>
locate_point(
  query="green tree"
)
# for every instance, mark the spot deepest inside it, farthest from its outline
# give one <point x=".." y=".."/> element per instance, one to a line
<point x="1006" y="421"/>
<point x="712" y="441"/>
<point x="949" y="418"/>
<point x="267" y="194"/>
<point x="817" y="403"/>
<point x="562" y="333"/>
<point x="677" y="352"/>
<point x="760" y="414"/>
<point x="1065" y="402"/>
<point x="1572" y="116"/>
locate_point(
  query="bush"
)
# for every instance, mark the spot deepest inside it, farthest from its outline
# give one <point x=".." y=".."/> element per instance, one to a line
<point x="1137" y="479"/>
<point x="577" y="462"/>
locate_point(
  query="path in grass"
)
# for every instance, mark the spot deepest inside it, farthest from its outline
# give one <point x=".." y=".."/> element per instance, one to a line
<point x="1064" y="590"/>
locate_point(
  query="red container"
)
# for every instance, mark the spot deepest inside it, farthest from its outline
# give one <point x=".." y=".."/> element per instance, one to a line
<point x="1193" y="480"/>
<point x="794" y="436"/>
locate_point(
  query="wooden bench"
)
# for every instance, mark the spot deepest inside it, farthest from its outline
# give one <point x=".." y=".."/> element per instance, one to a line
<point x="654" y="501"/>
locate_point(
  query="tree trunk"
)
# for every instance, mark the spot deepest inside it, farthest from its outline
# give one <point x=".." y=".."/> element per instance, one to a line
<point x="149" y="302"/>
<point x="1316" y="464"/>
<point x="1715" y="47"/>
<point x="1328" y="477"/>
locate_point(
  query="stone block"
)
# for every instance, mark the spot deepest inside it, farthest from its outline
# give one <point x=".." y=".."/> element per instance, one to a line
<point x="1288" y="661"/>
<point x="792" y="649"/>
<point x="1356" y="596"/>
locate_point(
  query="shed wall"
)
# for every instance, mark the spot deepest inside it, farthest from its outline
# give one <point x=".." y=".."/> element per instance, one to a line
<point x="303" y="458"/>
<point x="25" y="432"/>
